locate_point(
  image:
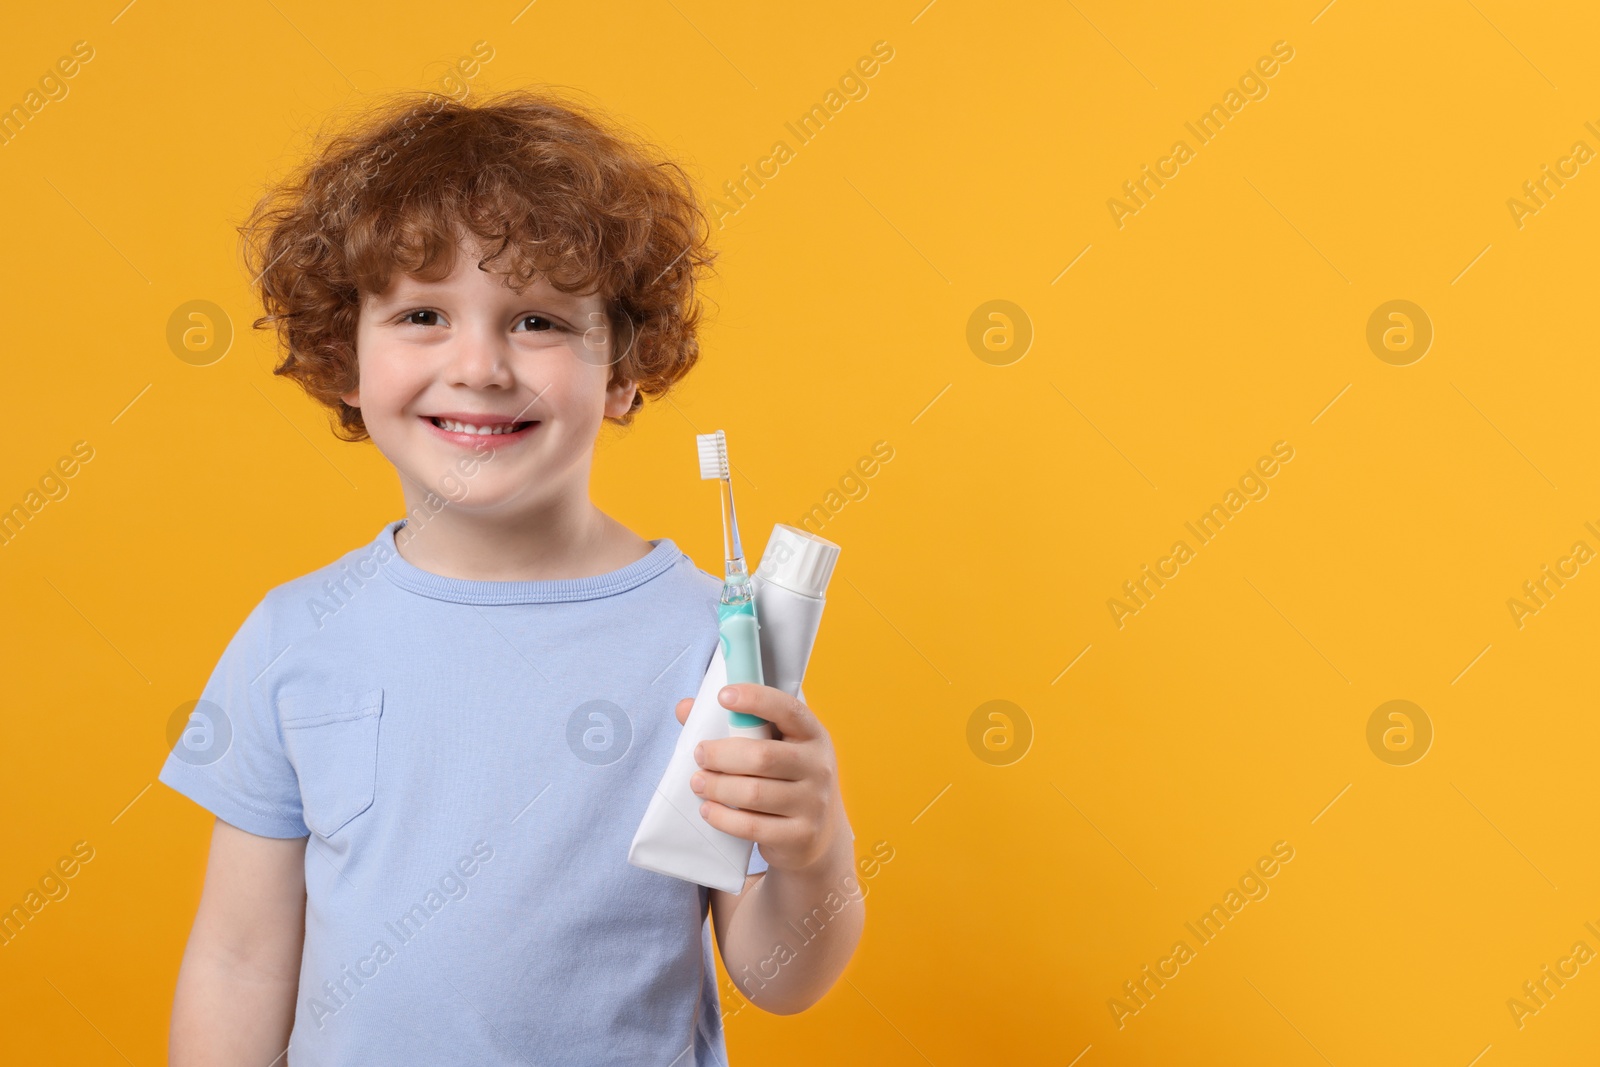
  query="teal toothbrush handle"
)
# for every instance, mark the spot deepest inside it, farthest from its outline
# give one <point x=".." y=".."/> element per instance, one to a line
<point x="741" y="648"/>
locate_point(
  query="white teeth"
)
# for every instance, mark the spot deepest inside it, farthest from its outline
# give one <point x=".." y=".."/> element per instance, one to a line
<point x="467" y="427"/>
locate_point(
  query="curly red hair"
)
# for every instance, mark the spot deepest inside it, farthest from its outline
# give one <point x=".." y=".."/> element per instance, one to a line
<point x="549" y="186"/>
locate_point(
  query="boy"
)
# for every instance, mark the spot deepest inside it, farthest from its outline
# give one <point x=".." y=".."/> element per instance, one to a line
<point x="427" y="759"/>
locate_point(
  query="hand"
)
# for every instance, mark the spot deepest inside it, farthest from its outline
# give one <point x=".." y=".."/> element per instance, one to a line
<point x="786" y="790"/>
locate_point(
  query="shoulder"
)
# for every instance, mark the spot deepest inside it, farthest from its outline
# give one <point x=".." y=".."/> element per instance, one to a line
<point x="698" y="581"/>
<point x="303" y="605"/>
<point x="664" y="558"/>
<point x="701" y="578"/>
<point x="675" y="564"/>
<point x="676" y="599"/>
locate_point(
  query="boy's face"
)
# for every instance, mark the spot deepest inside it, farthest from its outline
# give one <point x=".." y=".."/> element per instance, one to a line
<point x="469" y="349"/>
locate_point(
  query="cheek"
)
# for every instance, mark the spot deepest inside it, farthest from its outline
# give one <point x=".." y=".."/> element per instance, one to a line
<point x="384" y="391"/>
<point x="596" y="346"/>
<point x="568" y="380"/>
<point x="388" y="379"/>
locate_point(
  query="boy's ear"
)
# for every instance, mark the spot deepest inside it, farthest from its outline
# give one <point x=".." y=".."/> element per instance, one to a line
<point x="619" y="398"/>
<point x="353" y="397"/>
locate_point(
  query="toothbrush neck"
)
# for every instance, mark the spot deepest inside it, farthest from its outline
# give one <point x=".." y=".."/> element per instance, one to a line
<point x="732" y="549"/>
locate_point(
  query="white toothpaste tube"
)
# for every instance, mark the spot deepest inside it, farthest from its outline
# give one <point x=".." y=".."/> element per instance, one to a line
<point x="790" y="585"/>
<point x="789" y="588"/>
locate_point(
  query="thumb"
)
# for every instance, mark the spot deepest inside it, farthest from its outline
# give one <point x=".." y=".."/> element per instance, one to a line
<point x="682" y="710"/>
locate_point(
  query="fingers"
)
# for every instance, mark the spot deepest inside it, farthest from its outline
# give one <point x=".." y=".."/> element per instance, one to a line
<point x="750" y="825"/>
<point x="748" y="755"/>
<point x="766" y="795"/>
<point x="682" y="710"/>
<point x="794" y="720"/>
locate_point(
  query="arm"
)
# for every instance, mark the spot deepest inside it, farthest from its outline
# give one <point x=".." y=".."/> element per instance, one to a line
<point x="753" y="924"/>
<point x="788" y="935"/>
<point x="241" y="970"/>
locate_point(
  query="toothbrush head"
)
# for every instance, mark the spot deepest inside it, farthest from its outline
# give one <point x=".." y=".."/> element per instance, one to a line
<point x="713" y="454"/>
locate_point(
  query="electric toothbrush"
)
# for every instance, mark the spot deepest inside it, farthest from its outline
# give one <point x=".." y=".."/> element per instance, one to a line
<point x="737" y="625"/>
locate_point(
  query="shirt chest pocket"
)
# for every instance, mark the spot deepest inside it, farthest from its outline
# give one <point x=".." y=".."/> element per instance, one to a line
<point x="332" y="740"/>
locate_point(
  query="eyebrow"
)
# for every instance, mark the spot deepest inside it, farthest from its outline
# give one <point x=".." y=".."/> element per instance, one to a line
<point x="409" y="290"/>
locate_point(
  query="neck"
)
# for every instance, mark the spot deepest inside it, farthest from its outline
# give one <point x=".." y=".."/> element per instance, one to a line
<point x="561" y="538"/>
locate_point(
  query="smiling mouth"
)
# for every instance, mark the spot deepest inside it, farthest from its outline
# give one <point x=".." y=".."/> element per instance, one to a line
<point x="491" y="430"/>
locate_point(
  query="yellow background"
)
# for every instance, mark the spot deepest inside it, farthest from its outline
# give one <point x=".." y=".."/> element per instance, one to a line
<point x="1228" y="314"/>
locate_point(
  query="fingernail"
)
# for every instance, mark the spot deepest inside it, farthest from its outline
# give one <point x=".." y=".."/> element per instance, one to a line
<point x="700" y="753"/>
<point x="697" y="783"/>
<point x="729" y="696"/>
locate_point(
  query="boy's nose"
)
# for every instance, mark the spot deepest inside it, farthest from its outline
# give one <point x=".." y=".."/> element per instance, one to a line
<point x="480" y="361"/>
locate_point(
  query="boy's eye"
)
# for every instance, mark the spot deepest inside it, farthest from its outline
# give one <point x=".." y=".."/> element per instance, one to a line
<point x="528" y="323"/>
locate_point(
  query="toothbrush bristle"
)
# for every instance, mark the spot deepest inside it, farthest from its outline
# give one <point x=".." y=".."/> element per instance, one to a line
<point x="713" y="454"/>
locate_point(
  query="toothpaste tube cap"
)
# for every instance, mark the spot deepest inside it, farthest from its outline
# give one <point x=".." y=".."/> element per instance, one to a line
<point x="797" y="560"/>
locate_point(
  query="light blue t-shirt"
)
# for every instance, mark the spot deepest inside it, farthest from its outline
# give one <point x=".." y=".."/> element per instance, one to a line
<point x="470" y="760"/>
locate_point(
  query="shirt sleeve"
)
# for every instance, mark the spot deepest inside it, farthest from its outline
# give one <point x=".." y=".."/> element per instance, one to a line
<point x="229" y="757"/>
